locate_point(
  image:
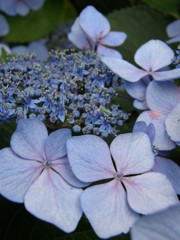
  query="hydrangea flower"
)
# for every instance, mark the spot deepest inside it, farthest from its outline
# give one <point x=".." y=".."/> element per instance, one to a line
<point x="163" y="100"/>
<point x="4" y="26"/>
<point x="113" y="207"/>
<point x="22" y="7"/>
<point x="161" y="164"/>
<point x="35" y="170"/>
<point x="151" y="57"/>
<point x="163" y="225"/>
<point x="173" y="31"/>
<point x="91" y="30"/>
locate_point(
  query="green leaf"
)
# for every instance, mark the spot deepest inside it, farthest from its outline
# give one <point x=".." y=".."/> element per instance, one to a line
<point x="6" y="131"/>
<point x="141" y="24"/>
<point x="39" y="23"/>
<point x="167" y="6"/>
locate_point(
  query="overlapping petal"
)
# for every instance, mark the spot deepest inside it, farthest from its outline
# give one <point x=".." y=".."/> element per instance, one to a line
<point x="170" y="169"/>
<point x="163" y="225"/>
<point x="154" y="55"/>
<point x="77" y="36"/>
<point x="55" y="145"/>
<point x="28" y="141"/>
<point x="63" y="168"/>
<point x="93" y="23"/>
<point x="51" y="199"/>
<point x="162" y="97"/>
<point x="166" y="75"/>
<point x="90" y="159"/>
<point x="107" y="209"/>
<point x="114" y="39"/>
<point x="161" y="139"/>
<point x="108" y="52"/>
<point x="124" y="69"/>
<point x="16" y="175"/>
<point x="132" y="153"/>
<point x="149" y="192"/>
<point x="172" y="123"/>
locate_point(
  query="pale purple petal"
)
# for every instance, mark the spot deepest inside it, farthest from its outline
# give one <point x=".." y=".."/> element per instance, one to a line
<point x="166" y="75"/>
<point x="172" y="123"/>
<point x="170" y="169"/>
<point x="62" y="167"/>
<point x="93" y="23"/>
<point x="39" y="48"/>
<point x="161" y="141"/>
<point x="35" y="4"/>
<point x="114" y="39"/>
<point x="132" y="153"/>
<point x="173" y="29"/>
<point x="163" y="225"/>
<point x="51" y="199"/>
<point x="154" y="55"/>
<point x="107" y="209"/>
<point x="78" y="37"/>
<point x="149" y="192"/>
<point x="55" y="145"/>
<point x="136" y="90"/>
<point x="90" y="158"/>
<point x="20" y="50"/>
<point x="141" y="105"/>
<point x="4" y="26"/>
<point x="140" y="127"/>
<point x="16" y="175"/>
<point x="124" y="69"/>
<point x="107" y="52"/>
<point x="174" y="39"/>
<point x="162" y="97"/>
<point x="28" y="141"/>
<point x="21" y="8"/>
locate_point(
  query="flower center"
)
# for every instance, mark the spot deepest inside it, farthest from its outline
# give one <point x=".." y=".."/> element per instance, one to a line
<point x="119" y="176"/>
<point x="47" y="164"/>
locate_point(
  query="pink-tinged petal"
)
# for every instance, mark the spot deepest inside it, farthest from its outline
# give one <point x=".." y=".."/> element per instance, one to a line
<point x="93" y="23"/>
<point x="141" y="105"/>
<point x="62" y="167"/>
<point x="172" y="123"/>
<point x="166" y="75"/>
<point x="132" y="153"/>
<point x="114" y="39"/>
<point x="51" y="199"/>
<point x="78" y="37"/>
<point x="162" y="97"/>
<point x="28" y="140"/>
<point x="136" y="90"/>
<point x="16" y="175"/>
<point x="161" y="141"/>
<point x="107" y="52"/>
<point x="163" y="225"/>
<point x="90" y="158"/>
<point x="107" y="209"/>
<point x="170" y="169"/>
<point x="124" y="69"/>
<point x="174" y="39"/>
<point x="173" y="29"/>
<point x="154" y="55"/>
<point x="55" y="145"/>
<point x="149" y="192"/>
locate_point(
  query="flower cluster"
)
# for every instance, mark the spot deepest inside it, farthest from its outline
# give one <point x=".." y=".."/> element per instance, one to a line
<point x="70" y="88"/>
